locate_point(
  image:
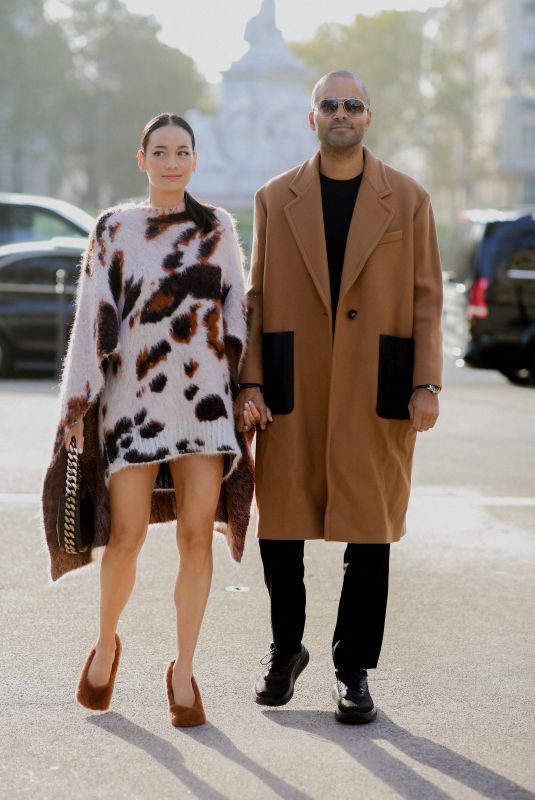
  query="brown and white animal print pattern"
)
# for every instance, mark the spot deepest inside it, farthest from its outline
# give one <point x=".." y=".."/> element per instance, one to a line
<point x="159" y="302"/>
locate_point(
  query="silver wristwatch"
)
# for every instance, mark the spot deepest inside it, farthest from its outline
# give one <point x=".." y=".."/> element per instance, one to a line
<point x="430" y="387"/>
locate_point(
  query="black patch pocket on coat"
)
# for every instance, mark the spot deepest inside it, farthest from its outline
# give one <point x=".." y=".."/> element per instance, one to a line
<point x="278" y="365"/>
<point x="396" y="364"/>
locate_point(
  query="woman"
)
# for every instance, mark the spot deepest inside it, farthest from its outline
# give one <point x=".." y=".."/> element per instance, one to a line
<point x="158" y="336"/>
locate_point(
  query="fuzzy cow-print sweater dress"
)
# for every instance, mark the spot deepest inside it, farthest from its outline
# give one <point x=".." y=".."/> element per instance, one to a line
<point x="160" y="307"/>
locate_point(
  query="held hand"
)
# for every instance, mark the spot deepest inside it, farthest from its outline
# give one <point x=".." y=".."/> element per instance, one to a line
<point x="251" y="410"/>
<point x="76" y="432"/>
<point x="423" y="409"/>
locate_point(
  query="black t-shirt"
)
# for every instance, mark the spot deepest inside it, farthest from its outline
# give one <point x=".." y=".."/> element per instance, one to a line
<point x="338" y="199"/>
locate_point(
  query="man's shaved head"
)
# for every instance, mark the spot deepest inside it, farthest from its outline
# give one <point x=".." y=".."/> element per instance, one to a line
<point x="340" y="73"/>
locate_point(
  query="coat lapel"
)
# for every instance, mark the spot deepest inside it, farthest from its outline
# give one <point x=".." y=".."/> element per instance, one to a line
<point x="370" y="219"/>
<point x="305" y="218"/>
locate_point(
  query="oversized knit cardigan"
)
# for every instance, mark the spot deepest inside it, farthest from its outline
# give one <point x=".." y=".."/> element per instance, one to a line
<point x="160" y="306"/>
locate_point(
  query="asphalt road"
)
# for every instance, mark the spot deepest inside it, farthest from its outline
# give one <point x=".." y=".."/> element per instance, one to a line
<point x="454" y="686"/>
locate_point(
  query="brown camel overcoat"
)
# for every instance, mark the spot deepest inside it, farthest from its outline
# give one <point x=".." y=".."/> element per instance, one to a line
<point x="335" y="463"/>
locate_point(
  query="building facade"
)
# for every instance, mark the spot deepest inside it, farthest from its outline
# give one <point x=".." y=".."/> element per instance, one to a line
<point x="496" y="156"/>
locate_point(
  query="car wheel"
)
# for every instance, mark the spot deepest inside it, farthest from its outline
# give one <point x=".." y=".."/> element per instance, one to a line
<point x="531" y="367"/>
<point x="516" y="376"/>
<point x="6" y="358"/>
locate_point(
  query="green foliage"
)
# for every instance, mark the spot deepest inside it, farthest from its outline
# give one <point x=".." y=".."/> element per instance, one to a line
<point x="443" y="232"/>
<point x="421" y="90"/>
<point x="87" y="84"/>
<point x="76" y="92"/>
<point x="126" y="77"/>
<point x="34" y="61"/>
<point x="386" y="52"/>
<point x="244" y="221"/>
<point x="448" y="133"/>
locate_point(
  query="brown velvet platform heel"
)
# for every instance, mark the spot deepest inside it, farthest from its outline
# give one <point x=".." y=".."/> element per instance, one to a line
<point x="98" y="698"/>
<point x="182" y="716"/>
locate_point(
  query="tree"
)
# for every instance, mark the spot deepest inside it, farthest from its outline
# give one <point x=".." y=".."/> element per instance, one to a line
<point x="126" y="76"/>
<point x="448" y="136"/>
<point x="76" y="91"/>
<point x="386" y="52"/>
<point x="35" y="92"/>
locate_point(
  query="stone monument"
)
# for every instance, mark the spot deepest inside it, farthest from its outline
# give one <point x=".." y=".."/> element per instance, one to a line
<point x="260" y="128"/>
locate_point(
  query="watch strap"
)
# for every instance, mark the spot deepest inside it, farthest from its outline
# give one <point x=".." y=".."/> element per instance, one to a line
<point x="431" y="387"/>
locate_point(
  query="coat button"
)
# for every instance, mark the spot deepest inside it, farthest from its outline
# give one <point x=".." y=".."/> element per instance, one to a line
<point x="352" y="313"/>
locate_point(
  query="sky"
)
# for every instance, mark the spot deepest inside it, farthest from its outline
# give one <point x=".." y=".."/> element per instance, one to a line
<point x="211" y="31"/>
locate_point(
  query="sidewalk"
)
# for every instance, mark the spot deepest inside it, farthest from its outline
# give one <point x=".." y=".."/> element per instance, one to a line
<point x="454" y="687"/>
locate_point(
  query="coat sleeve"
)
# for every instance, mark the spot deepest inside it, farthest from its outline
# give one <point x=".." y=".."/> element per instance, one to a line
<point x="252" y="371"/>
<point x="94" y="335"/>
<point x="427" y="299"/>
<point x="233" y="303"/>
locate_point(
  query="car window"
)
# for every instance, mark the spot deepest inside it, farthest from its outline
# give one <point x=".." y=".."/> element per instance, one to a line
<point x="40" y="269"/>
<point x="501" y="242"/>
<point x="32" y="224"/>
<point x="525" y="241"/>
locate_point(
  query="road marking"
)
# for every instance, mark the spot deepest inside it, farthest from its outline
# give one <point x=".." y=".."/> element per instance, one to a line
<point x="474" y="499"/>
<point x="28" y="498"/>
<point x="19" y="498"/>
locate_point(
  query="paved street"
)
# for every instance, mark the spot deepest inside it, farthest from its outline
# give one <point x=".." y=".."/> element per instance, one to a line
<point x="455" y="686"/>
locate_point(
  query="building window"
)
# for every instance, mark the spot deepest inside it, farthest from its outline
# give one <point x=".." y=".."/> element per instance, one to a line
<point x="529" y="190"/>
<point x="529" y="44"/>
<point x="528" y="139"/>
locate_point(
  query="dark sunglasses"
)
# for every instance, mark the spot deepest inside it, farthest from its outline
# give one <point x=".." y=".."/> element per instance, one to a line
<point x="352" y="106"/>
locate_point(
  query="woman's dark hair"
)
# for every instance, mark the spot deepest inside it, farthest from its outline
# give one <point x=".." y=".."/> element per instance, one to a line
<point x="201" y="214"/>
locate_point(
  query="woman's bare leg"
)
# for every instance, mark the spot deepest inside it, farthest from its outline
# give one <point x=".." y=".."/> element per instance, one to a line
<point x="197" y="481"/>
<point x="130" y="496"/>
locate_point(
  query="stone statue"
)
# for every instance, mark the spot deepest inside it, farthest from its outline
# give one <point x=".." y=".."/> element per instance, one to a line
<point x="260" y="128"/>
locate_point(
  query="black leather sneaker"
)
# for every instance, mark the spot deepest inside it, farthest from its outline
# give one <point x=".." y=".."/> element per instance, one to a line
<point x="276" y="686"/>
<point x="354" y="704"/>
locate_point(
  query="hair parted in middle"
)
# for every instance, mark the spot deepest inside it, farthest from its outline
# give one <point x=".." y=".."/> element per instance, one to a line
<point x="202" y="215"/>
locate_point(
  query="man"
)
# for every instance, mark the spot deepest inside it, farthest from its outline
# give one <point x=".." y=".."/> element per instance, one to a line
<point x="342" y="370"/>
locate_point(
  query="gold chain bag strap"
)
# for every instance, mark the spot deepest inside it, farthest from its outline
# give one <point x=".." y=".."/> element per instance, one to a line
<point x="75" y="523"/>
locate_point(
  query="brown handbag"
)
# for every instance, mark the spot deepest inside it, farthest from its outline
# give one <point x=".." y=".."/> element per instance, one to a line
<point x="76" y="515"/>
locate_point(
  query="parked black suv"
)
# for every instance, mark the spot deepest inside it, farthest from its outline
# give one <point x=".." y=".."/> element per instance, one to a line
<point x="29" y="302"/>
<point x="501" y="298"/>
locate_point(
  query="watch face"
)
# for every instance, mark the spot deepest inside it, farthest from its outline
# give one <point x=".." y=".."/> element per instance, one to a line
<point x="430" y="387"/>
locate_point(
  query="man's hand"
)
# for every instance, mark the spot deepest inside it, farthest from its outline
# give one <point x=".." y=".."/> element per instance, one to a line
<point x="423" y="409"/>
<point x="250" y="409"/>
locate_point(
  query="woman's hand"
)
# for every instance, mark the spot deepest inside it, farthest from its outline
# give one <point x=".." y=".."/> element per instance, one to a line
<point x="77" y="433"/>
<point x="251" y="410"/>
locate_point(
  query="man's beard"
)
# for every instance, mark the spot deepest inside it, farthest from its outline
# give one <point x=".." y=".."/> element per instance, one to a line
<point x="343" y="145"/>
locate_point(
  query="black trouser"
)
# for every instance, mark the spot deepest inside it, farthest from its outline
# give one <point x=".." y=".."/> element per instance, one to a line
<point x="358" y="635"/>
